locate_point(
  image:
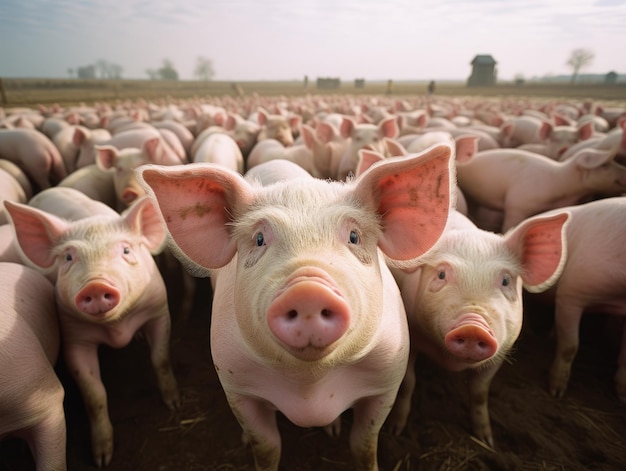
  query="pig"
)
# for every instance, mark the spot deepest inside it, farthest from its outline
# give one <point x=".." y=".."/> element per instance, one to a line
<point x="107" y="288"/>
<point x="521" y="130"/>
<point x="274" y="171"/>
<point x="221" y="149"/>
<point x="560" y="139"/>
<point x="136" y="139"/>
<point x="595" y="236"/>
<point x="364" y="136"/>
<point x="35" y="154"/>
<point x="243" y="131"/>
<point x="307" y="319"/>
<point x="520" y="184"/>
<point x="10" y="189"/>
<point x="31" y="395"/>
<point x="276" y="126"/>
<point x="94" y="182"/>
<point x="19" y="175"/>
<point x="464" y="303"/>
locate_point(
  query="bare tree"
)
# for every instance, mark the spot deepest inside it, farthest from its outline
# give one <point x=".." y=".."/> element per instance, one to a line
<point x="579" y="59"/>
<point x="204" y="69"/>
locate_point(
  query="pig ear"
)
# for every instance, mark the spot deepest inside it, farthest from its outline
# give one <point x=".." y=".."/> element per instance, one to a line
<point x="144" y="219"/>
<point x="545" y="131"/>
<point x="394" y="148"/>
<point x="325" y="132"/>
<point x="541" y="244"/>
<point x="308" y="136"/>
<point x="79" y="136"/>
<point x="197" y="203"/>
<point x="466" y="147"/>
<point x="585" y="131"/>
<point x="105" y="157"/>
<point x="389" y="127"/>
<point x="36" y="232"/>
<point x="592" y="158"/>
<point x="347" y="126"/>
<point x="413" y="196"/>
<point x="262" y="116"/>
<point x="367" y="158"/>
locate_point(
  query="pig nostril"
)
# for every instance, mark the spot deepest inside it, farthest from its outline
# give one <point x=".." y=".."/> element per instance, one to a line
<point x="292" y="314"/>
<point x="326" y="313"/>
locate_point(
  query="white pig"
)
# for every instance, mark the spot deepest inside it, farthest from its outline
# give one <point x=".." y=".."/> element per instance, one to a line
<point x="593" y="280"/>
<point x="464" y="303"/>
<point x="107" y="288"/>
<point x="31" y="395"/>
<point x="307" y="319"/>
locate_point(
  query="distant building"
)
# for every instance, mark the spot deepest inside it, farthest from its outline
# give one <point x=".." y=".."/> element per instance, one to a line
<point x="328" y="82"/>
<point x="483" y="71"/>
<point x="359" y="83"/>
<point x="610" y="78"/>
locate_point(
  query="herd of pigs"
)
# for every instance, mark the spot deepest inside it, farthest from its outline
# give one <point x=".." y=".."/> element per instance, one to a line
<point x="343" y="237"/>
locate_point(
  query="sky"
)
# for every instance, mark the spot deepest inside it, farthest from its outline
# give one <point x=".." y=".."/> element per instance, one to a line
<point x="290" y="39"/>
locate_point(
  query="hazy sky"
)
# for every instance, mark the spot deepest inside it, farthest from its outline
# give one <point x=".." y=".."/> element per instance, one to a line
<point x="288" y="39"/>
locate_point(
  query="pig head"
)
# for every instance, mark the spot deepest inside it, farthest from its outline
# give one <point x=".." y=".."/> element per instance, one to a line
<point x="307" y="319"/>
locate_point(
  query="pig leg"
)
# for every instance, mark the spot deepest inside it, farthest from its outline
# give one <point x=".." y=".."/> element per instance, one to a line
<point x="82" y="363"/>
<point x="399" y="415"/>
<point x="157" y="332"/>
<point x="47" y="439"/>
<point x="620" y="374"/>
<point x="260" y="430"/>
<point x="369" y="415"/>
<point x="567" y="324"/>
<point x="479" y="382"/>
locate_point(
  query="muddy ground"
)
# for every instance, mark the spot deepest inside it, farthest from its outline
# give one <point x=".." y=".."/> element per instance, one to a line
<point x="586" y="430"/>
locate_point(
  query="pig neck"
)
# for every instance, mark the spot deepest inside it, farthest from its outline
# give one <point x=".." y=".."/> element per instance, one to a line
<point x="570" y="184"/>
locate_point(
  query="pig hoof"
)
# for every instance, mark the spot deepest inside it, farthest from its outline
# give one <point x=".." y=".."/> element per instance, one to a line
<point x="334" y="429"/>
<point x="102" y="454"/>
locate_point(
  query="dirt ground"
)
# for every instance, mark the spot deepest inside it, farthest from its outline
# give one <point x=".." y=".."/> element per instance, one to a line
<point x="586" y="430"/>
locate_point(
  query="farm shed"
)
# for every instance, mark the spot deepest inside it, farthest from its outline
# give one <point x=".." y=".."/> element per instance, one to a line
<point x="483" y="71"/>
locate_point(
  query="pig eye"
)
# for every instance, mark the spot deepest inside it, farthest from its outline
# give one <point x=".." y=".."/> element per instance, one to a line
<point x="260" y="239"/>
<point x="126" y="250"/>
<point x="441" y="275"/>
<point x="68" y="257"/>
<point x="354" y="237"/>
<point x="506" y="280"/>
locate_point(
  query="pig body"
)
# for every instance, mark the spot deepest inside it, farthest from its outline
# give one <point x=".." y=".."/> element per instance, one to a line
<point x="464" y="303"/>
<point x="306" y="318"/>
<point x="221" y="149"/>
<point x="11" y="190"/>
<point x="35" y="154"/>
<point x="31" y="395"/>
<point x="94" y="183"/>
<point x="521" y="184"/>
<point x="107" y="288"/>
<point x="595" y="236"/>
<point x="270" y="149"/>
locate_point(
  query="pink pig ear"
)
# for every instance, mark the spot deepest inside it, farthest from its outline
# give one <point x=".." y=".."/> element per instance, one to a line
<point x="37" y="232"/>
<point x="541" y="244"/>
<point x="413" y="196"/>
<point x="197" y="203"/>
<point x="143" y="218"/>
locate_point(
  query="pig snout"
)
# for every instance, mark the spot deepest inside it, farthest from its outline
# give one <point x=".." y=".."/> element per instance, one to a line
<point x="471" y="339"/>
<point x="97" y="298"/>
<point x="308" y="312"/>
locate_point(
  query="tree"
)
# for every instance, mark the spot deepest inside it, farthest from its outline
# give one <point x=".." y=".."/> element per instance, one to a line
<point x="579" y="59"/>
<point x="204" y="69"/>
<point x="167" y="71"/>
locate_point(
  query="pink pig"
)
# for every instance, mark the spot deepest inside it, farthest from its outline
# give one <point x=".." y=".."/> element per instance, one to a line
<point x="464" y="303"/>
<point x="35" y="154"/>
<point x="520" y="184"/>
<point x="596" y="236"/>
<point x="364" y="136"/>
<point x="31" y="395"/>
<point x="108" y="287"/>
<point x="307" y="319"/>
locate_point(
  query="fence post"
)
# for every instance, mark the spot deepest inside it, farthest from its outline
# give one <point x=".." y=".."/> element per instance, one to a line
<point x="2" y="93"/>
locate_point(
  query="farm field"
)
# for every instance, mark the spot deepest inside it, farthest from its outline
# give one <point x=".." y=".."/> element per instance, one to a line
<point x="30" y="92"/>
<point x="585" y="430"/>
